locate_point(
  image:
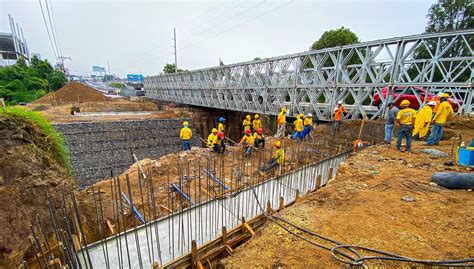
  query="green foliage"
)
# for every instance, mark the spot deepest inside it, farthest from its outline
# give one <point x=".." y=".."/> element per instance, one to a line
<point x="170" y="68"/>
<point x="445" y="16"/>
<point x="22" y="83"/>
<point x="334" y="38"/>
<point x="117" y="85"/>
<point x="46" y="138"/>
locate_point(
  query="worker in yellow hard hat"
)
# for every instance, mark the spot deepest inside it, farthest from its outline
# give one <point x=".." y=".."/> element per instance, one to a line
<point x="256" y="124"/>
<point x="423" y="121"/>
<point x="259" y="138"/>
<point x="247" y="142"/>
<point x="405" y="120"/>
<point x="281" y="123"/>
<point x="307" y="126"/>
<point x="298" y="124"/>
<point x="277" y="159"/>
<point x="210" y="138"/>
<point x="247" y="123"/>
<point x="185" y="136"/>
<point x="445" y="111"/>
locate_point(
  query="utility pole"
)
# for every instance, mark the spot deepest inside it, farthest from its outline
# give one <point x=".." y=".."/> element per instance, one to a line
<point x="108" y="67"/>
<point x="175" y="52"/>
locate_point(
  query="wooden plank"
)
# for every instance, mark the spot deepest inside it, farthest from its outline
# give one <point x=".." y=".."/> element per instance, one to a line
<point x="111" y="226"/>
<point x="318" y="182"/>
<point x="194" y="254"/>
<point x="166" y="209"/>
<point x="282" y="203"/>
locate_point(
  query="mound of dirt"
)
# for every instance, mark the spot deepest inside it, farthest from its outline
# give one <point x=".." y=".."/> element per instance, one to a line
<point x="27" y="175"/>
<point x="73" y="92"/>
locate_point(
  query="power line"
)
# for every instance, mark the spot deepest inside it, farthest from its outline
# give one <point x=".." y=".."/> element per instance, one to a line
<point x="225" y="20"/>
<point x="202" y="14"/>
<point x="53" y="26"/>
<point x="47" y="30"/>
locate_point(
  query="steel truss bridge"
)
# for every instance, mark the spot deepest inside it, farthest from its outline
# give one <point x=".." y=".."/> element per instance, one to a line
<point x="314" y="81"/>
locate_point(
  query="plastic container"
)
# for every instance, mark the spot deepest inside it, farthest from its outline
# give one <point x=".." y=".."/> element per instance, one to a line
<point x="466" y="156"/>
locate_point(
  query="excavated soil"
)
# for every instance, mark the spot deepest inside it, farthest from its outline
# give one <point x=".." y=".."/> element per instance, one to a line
<point x="382" y="199"/>
<point x="27" y="176"/>
<point x="73" y="92"/>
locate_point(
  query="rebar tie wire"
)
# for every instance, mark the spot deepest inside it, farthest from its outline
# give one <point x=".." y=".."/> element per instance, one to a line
<point x="357" y="259"/>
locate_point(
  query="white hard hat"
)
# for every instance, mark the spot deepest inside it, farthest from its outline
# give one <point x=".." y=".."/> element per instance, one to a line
<point x="339" y="103"/>
<point x="335" y="109"/>
<point x="431" y="103"/>
<point x="309" y="115"/>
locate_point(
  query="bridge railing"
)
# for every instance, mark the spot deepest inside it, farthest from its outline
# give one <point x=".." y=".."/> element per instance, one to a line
<point x="365" y="76"/>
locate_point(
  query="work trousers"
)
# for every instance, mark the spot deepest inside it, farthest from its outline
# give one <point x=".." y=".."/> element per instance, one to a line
<point x="405" y="131"/>
<point x="257" y="142"/>
<point x="389" y="132"/>
<point x="281" y="130"/>
<point x="186" y="145"/>
<point x="272" y="163"/>
<point x="336" y="125"/>
<point x="219" y="148"/>
<point x="306" y="131"/>
<point x="436" y="134"/>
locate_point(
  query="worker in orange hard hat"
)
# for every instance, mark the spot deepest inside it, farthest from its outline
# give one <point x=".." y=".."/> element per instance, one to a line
<point x="185" y="136"/>
<point x="247" y="142"/>
<point x="219" y="145"/>
<point x="247" y="123"/>
<point x="277" y="159"/>
<point x="256" y="123"/>
<point x="405" y="120"/>
<point x="259" y="138"/>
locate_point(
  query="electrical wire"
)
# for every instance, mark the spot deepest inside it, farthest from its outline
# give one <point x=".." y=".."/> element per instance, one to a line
<point x="359" y="259"/>
<point x="53" y="30"/>
<point x="47" y="30"/>
<point x="53" y="23"/>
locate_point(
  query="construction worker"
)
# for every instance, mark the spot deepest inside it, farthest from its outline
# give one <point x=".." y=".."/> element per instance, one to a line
<point x="390" y="122"/>
<point x="210" y="138"/>
<point x="338" y="113"/>
<point x="256" y="124"/>
<point x="247" y="123"/>
<point x="221" y="127"/>
<point x="259" y="138"/>
<point x="247" y="142"/>
<point x="281" y="123"/>
<point x="298" y="124"/>
<point x="277" y="159"/>
<point x="423" y="120"/>
<point x="218" y="143"/>
<point x="445" y="111"/>
<point x="307" y="126"/>
<point x="185" y="135"/>
<point x="405" y="120"/>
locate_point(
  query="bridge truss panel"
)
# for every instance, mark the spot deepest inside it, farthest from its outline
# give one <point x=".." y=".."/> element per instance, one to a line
<point x="314" y="81"/>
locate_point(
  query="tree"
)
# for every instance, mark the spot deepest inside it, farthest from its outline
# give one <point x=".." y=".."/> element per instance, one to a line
<point x="170" y="68"/>
<point x="446" y="15"/>
<point x="334" y="38"/>
<point x="23" y="83"/>
<point x="450" y="15"/>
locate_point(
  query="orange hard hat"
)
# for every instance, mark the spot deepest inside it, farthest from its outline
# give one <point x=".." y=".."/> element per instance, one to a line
<point x="260" y="131"/>
<point x="220" y="135"/>
<point x="247" y="131"/>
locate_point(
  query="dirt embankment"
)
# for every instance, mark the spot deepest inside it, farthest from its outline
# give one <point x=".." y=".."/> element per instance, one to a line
<point x="380" y="198"/>
<point x="28" y="174"/>
<point x="73" y="92"/>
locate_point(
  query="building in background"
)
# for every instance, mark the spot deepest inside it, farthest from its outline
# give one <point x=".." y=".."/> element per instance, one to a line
<point x="13" y="45"/>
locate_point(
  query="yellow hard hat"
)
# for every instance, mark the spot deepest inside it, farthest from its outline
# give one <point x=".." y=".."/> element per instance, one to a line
<point x="185" y="123"/>
<point x="248" y="117"/>
<point x="300" y="116"/>
<point x="444" y="95"/>
<point x="256" y="116"/>
<point x="405" y="103"/>
<point x="214" y="130"/>
<point x="283" y="109"/>
<point x="278" y="144"/>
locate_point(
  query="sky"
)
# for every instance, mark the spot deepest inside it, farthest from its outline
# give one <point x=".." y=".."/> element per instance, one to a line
<point x="136" y="36"/>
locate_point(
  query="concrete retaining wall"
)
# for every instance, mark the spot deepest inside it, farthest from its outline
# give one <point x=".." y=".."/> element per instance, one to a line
<point x="97" y="148"/>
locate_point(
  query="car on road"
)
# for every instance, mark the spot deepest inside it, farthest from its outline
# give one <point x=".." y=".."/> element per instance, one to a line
<point x="410" y="93"/>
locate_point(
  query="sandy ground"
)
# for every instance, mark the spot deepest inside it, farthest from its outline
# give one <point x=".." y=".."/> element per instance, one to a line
<point x="382" y="199"/>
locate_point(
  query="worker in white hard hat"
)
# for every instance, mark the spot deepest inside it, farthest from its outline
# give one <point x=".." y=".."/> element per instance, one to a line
<point x="339" y="110"/>
<point x="307" y="126"/>
<point x="423" y="121"/>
